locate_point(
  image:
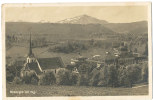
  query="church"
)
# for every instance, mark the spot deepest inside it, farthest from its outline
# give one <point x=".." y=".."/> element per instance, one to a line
<point x="37" y="66"/>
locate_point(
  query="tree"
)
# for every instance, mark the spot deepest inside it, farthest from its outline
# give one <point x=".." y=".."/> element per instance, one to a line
<point x="144" y="72"/>
<point x="112" y="79"/>
<point x="128" y="75"/>
<point x="95" y="80"/>
<point x="63" y="77"/>
<point x="83" y="80"/>
<point x="146" y="50"/>
<point x="74" y="78"/>
<point x="47" y="78"/>
<point x="94" y="77"/>
<point x="122" y="76"/>
<point x="11" y="70"/>
<point x="103" y="76"/>
<point x="29" y="77"/>
<point x="135" y="72"/>
<point x="84" y="70"/>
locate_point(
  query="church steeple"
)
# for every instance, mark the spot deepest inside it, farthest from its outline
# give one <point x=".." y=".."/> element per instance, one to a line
<point x="31" y="57"/>
<point x="30" y="47"/>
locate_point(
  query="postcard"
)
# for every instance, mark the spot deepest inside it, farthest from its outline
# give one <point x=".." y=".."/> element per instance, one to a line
<point x="77" y="51"/>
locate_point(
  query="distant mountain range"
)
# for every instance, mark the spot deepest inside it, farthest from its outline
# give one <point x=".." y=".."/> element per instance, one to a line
<point x="134" y="27"/>
<point x="83" y="19"/>
<point x="78" y="26"/>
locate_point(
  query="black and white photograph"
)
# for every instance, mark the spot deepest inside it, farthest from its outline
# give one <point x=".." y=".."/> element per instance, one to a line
<point x="77" y="49"/>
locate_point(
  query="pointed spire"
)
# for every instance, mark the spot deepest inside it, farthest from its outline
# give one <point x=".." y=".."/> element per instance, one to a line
<point x="30" y="47"/>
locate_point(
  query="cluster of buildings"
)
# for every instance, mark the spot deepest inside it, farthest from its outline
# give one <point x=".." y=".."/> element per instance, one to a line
<point x="117" y="56"/>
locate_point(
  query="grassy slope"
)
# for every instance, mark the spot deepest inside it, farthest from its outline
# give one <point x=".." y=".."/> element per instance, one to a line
<point x="73" y="91"/>
<point x="22" y="52"/>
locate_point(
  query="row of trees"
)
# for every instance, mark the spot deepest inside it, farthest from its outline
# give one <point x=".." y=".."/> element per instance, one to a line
<point x="77" y="46"/>
<point x="70" y="47"/>
<point x="18" y="39"/>
<point x="111" y="76"/>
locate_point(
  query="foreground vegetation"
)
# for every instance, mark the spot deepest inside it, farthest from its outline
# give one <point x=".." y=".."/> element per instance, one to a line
<point x="55" y="90"/>
<point x="106" y="76"/>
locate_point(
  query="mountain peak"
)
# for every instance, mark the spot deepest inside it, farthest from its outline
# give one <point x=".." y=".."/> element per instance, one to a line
<point x="83" y="19"/>
<point x="84" y="15"/>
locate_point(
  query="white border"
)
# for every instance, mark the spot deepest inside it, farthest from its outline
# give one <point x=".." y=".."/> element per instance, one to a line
<point x="59" y="1"/>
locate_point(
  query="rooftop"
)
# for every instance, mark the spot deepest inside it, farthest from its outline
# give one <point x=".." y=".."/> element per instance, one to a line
<point x="51" y="63"/>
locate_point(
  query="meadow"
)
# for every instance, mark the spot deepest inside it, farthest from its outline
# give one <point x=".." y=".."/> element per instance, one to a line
<point x="14" y="90"/>
<point x="16" y="51"/>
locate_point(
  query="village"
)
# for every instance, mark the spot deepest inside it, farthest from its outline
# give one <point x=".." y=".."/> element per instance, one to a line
<point x="80" y="71"/>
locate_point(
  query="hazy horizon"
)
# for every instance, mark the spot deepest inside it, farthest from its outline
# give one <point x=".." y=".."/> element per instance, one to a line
<point x="53" y="14"/>
<point x="68" y="18"/>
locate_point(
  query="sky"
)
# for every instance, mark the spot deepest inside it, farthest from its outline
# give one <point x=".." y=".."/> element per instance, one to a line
<point x="112" y="14"/>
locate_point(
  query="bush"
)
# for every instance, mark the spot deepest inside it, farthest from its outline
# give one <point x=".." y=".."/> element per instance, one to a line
<point x="63" y="77"/>
<point x="134" y="73"/>
<point x="74" y="78"/>
<point x="17" y="80"/>
<point x="12" y="70"/>
<point x="47" y="78"/>
<point x="84" y="70"/>
<point x="29" y="77"/>
<point x="9" y="76"/>
<point x="83" y="80"/>
<point x="42" y="80"/>
<point x="34" y="80"/>
<point x="129" y="75"/>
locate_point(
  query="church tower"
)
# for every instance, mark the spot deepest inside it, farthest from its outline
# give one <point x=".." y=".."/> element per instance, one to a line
<point x="30" y="57"/>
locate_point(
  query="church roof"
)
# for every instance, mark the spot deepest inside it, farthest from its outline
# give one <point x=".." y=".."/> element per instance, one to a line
<point x="46" y="63"/>
<point x="50" y="63"/>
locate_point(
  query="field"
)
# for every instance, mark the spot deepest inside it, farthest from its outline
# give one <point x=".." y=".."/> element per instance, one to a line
<point x="17" y="51"/>
<point x="54" y="90"/>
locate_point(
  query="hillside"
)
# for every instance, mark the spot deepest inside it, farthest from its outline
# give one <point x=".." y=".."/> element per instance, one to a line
<point x="134" y="27"/>
<point x="56" y="29"/>
<point x="79" y="26"/>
